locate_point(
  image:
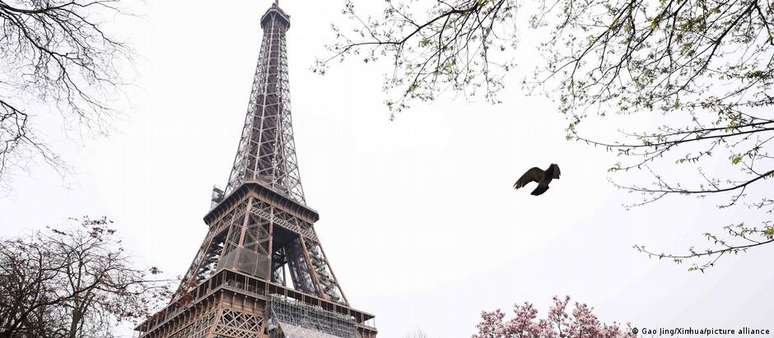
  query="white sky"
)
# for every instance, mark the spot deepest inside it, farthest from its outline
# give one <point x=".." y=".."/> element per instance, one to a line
<point x="418" y="217"/>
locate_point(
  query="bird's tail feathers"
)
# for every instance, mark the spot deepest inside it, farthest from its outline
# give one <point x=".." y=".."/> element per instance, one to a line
<point x="539" y="190"/>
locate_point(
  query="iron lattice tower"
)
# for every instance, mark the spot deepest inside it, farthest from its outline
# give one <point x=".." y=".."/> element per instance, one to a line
<point x="261" y="270"/>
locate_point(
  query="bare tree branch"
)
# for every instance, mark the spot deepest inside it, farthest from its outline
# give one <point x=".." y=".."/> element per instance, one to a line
<point x="56" y="56"/>
<point x="451" y="48"/>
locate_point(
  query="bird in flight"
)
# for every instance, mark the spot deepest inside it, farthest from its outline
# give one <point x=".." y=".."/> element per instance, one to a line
<point x="542" y="177"/>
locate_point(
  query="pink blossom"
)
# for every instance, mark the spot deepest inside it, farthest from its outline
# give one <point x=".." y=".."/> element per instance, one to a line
<point x="581" y="323"/>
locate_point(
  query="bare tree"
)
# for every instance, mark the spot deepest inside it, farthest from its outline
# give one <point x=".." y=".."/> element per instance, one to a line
<point x="75" y="282"/>
<point x="54" y="56"/>
<point x="702" y="69"/>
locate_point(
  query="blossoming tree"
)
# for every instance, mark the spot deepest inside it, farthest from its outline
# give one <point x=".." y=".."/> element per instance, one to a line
<point x="581" y="322"/>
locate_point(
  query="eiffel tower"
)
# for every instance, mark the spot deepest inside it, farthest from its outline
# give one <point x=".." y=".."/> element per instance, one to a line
<point x="261" y="270"/>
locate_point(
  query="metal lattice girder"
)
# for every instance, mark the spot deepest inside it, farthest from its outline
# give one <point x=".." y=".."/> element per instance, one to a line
<point x="267" y="151"/>
<point x="238" y="325"/>
<point x="197" y="328"/>
<point x="212" y="249"/>
<point x="255" y="235"/>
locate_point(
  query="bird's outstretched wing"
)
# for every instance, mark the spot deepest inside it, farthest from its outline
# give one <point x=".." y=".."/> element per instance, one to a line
<point x="534" y="174"/>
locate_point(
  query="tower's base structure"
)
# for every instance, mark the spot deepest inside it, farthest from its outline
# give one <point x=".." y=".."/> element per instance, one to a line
<point x="261" y="270"/>
<point x="232" y="303"/>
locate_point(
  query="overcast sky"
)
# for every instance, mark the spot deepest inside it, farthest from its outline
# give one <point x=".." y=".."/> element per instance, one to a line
<point x="417" y="216"/>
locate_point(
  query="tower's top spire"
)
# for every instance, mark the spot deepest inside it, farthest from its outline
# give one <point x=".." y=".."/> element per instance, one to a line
<point x="275" y="12"/>
<point x="267" y="152"/>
